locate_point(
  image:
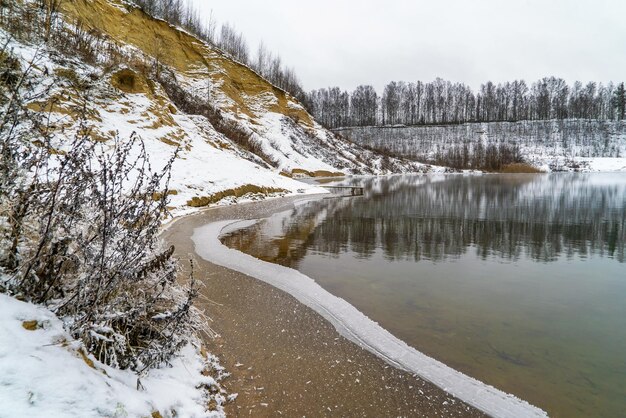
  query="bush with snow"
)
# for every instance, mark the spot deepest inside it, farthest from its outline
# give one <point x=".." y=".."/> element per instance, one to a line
<point x="79" y="223"/>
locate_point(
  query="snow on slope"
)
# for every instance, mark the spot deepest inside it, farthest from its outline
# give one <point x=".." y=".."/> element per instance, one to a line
<point x="293" y="142"/>
<point x="45" y="373"/>
<point x="207" y="163"/>
<point x="552" y="145"/>
<point x="210" y="160"/>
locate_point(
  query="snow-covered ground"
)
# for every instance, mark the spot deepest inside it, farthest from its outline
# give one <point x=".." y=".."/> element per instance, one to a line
<point x="207" y="162"/>
<point x="552" y="145"/>
<point x="578" y="164"/>
<point x="45" y="373"/>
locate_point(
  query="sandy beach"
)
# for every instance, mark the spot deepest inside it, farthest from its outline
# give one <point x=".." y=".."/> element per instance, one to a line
<point x="284" y="358"/>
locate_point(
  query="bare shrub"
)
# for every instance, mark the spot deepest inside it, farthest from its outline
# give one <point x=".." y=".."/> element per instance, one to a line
<point x="490" y="158"/>
<point x="520" y="168"/>
<point x="79" y="234"/>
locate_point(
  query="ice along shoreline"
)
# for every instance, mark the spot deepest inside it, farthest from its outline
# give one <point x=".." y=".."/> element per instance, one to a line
<point x="355" y="326"/>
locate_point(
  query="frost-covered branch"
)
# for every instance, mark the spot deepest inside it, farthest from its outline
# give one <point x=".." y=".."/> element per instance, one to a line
<point x="79" y="224"/>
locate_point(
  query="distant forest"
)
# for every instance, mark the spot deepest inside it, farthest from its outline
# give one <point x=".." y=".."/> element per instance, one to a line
<point x="402" y="103"/>
<point x="444" y="102"/>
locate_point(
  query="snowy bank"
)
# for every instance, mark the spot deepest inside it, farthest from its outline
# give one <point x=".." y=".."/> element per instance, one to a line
<point x="592" y="145"/>
<point x="356" y="326"/>
<point x="45" y="373"/>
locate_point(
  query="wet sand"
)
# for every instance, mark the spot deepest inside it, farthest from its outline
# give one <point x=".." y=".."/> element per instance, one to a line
<point x="284" y="358"/>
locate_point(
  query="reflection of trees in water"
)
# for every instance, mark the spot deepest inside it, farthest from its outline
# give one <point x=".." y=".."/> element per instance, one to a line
<point x="541" y="217"/>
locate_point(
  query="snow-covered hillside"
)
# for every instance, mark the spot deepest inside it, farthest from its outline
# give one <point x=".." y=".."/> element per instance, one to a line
<point x="590" y="145"/>
<point x="237" y="134"/>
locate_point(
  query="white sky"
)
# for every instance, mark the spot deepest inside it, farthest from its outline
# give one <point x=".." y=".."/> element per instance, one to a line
<point x="347" y="43"/>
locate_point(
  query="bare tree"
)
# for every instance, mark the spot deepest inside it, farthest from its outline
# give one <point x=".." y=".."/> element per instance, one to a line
<point x="619" y="101"/>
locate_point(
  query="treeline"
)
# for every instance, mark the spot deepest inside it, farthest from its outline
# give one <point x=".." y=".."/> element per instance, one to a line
<point x="444" y="102"/>
<point x="269" y="65"/>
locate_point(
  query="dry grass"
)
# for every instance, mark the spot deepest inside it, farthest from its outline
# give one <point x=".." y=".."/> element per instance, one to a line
<point x="202" y="201"/>
<point x="66" y="103"/>
<point x="299" y="172"/>
<point x="86" y="359"/>
<point x="519" y="168"/>
<point x="53" y="104"/>
<point x="68" y="74"/>
<point x="158" y="195"/>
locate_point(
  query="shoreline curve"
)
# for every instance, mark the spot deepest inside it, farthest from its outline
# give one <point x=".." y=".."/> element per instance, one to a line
<point x="357" y="327"/>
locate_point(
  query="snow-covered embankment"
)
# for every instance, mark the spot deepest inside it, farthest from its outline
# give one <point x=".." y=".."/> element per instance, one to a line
<point x="44" y="372"/>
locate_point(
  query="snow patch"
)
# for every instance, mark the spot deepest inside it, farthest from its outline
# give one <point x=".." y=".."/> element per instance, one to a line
<point x="45" y="373"/>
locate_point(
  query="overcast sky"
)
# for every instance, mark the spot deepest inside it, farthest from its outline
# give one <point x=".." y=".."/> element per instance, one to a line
<point x="347" y="43"/>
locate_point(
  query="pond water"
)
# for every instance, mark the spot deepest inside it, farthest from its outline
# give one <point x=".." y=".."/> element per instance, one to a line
<point x="516" y="280"/>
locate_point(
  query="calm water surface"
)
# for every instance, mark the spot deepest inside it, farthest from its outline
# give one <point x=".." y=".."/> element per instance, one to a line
<point x="517" y="280"/>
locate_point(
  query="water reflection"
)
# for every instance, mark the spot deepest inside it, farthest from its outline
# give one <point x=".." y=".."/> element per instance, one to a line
<point x="516" y="280"/>
<point x="437" y="218"/>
